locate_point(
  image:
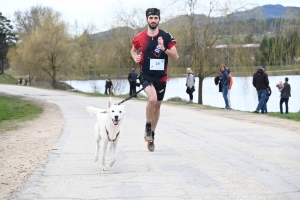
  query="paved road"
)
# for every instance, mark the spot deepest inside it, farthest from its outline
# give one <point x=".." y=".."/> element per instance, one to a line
<point x="198" y="156"/>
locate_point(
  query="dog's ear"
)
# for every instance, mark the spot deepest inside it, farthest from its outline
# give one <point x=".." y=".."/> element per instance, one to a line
<point x="109" y="103"/>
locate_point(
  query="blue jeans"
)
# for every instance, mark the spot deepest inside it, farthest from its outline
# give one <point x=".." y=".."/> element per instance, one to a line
<point x="262" y="96"/>
<point x="265" y="106"/>
<point x="225" y="92"/>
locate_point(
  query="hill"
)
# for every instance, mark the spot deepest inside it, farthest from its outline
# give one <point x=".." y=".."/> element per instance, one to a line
<point x="267" y="12"/>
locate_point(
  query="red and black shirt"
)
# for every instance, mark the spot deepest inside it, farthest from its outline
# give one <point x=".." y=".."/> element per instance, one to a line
<point x="149" y="49"/>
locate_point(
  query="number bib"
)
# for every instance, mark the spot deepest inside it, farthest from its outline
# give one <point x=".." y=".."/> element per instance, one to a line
<point x="157" y="64"/>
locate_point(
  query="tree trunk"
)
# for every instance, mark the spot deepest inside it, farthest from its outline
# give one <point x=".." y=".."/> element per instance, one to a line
<point x="1" y="66"/>
<point x="200" y="90"/>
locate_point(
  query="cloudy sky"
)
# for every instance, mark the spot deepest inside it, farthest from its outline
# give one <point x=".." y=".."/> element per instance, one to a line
<point x="102" y="13"/>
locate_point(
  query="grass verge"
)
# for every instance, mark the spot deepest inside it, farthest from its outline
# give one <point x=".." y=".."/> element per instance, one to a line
<point x="8" y="79"/>
<point x="290" y="116"/>
<point x="14" y="110"/>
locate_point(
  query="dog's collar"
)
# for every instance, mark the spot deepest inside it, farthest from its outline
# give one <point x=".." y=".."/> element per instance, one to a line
<point x="108" y="135"/>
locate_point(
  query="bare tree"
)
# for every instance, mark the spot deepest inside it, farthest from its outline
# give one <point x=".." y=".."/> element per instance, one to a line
<point x="202" y="33"/>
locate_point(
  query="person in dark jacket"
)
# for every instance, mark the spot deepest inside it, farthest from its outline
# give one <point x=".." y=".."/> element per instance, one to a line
<point x="285" y="95"/>
<point x="108" y="86"/>
<point x="132" y="76"/>
<point x="261" y="83"/>
<point x="225" y="84"/>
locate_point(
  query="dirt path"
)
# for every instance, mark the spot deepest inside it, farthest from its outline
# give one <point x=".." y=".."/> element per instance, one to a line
<point x="23" y="149"/>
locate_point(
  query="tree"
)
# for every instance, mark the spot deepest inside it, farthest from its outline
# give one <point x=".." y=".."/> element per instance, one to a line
<point x="7" y="39"/>
<point x="202" y="34"/>
<point x="32" y="19"/>
<point x="45" y="49"/>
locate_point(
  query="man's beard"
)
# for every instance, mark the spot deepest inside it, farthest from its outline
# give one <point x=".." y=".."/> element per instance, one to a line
<point x="153" y="27"/>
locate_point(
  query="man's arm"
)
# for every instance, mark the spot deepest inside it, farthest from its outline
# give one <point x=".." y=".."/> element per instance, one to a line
<point x="134" y="55"/>
<point x="172" y="53"/>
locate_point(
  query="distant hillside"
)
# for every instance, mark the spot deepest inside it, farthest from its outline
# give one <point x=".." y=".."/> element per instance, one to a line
<point x="266" y="12"/>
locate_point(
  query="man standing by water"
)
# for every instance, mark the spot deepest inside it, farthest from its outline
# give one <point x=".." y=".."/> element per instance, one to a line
<point x="284" y="96"/>
<point x="261" y="83"/>
<point x="155" y="46"/>
<point x="132" y="76"/>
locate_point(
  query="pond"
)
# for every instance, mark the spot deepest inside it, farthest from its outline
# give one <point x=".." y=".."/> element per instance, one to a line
<point x="243" y="94"/>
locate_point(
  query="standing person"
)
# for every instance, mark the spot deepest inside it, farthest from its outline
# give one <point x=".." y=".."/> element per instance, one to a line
<point x="155" y="46"/>
<point x="21" y="81"/>
<point x="230" y="86"/>
<point x="132" y="76"/>
<point x="261" y="83"/>
<point x="225" y="84"/>
<point x="285" y="95"/>
<point x="110" y="87"/>
<point x="106" y="86"/>
<point x="190" y="82"/>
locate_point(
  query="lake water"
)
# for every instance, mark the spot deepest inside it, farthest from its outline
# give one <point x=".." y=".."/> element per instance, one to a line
<point x="243" y="94"/>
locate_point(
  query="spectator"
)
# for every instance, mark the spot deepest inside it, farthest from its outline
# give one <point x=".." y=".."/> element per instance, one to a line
<point x="285" y="95"/>
<point x="108" y="87"/>
<point x="190" y="83"/>
<point x="132" y="76"/>
<point x="225" y="85"/>
<point x="230" y="86"/>
<point x="261" y="83"/>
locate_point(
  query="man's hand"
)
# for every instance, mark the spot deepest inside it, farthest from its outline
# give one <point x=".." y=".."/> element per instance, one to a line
<point x="161" y="43"/>
<point x="138" y="58"/>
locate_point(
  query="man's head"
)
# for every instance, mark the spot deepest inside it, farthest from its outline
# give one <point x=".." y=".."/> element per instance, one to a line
<point x="132" y="70"/>
<point x="263" y="67"/>
<point x="153" y="17"/>
<point x="286" y="79"/>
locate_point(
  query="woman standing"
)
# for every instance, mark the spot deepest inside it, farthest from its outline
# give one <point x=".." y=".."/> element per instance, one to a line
<point x="225" y="84"/>
<point x="190" y="82"/>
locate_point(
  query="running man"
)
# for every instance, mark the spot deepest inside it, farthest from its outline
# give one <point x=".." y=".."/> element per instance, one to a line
<point x="155" y="46"/>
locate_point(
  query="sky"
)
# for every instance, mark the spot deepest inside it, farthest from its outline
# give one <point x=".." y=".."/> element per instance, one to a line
<point x="103" y="13"/>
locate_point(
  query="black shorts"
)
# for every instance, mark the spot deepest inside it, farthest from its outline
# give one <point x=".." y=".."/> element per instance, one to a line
<point x="159" y="87"/>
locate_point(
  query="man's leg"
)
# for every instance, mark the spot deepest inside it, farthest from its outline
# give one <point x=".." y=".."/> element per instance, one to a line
<point x="134" y="88"/>
<point x="156" y="115"/>
<point x="150" y="108"/>
<point x="228" y="97"/>
<point x="286" y="105"/>
<point x="280" y="105"/>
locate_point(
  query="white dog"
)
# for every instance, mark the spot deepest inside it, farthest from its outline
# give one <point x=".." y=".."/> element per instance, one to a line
<point x="108" y="128"/>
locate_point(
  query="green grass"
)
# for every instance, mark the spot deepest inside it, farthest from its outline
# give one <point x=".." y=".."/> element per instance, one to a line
<point x="14" y="110"/>
<point x="290" y="116"/>
<point x="8" y="79"/>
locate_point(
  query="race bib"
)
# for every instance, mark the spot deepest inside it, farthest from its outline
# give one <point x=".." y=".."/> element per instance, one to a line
<point x="157" y="64"/>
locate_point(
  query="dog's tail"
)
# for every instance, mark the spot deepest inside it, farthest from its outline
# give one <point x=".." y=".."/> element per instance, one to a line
<point x="92" y="110"/>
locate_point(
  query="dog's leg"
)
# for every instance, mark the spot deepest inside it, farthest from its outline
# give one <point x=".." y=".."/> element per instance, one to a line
<point x="114" y="152"/>
<point x="98" y="138"/>
<point x="104" y="146"/>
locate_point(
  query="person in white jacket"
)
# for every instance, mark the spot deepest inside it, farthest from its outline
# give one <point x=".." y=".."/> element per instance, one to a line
<point x="190" y="83"/>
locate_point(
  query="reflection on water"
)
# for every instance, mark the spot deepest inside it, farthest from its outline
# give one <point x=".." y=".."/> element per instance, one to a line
<point x="243" y="94"/>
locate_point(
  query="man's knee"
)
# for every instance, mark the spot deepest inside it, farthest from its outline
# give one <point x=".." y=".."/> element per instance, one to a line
<point x="152" y="100"/>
